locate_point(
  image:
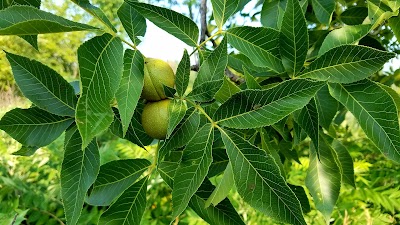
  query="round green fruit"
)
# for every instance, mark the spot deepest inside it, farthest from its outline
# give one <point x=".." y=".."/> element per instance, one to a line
<point x="156" y="74"/>
<point x="155" y="118"/>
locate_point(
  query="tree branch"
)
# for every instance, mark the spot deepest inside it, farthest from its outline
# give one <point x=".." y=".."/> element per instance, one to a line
<point x="203" y="20"/>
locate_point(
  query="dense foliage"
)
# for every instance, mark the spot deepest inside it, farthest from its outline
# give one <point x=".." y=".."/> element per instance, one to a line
<point x="310" y="64"/>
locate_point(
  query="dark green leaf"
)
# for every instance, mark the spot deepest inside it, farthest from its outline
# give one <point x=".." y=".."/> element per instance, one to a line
<point x="100" y="65"/>
<point x="173" y="22"/>
<point x="259" y="108"/>
<point x="222" y="10"/>
<point x="327" y="107"/>
<point x="354" y="15"/>
<point x="183" y="74"/>
<point x="114" y="178"/>
<point x="272" y="13"/>
<point x="323" y="10"/>
<point x="130" y="89"/>
<point x="43" y="86"/>
<point x="223" y="187"/>
<point x="240" y="61"/>
<point x="347" y="64"/>
<point x="132" y="21"/>
<point x="302" y="196"/>
<point x="259" y="181"/>
<point x="78" y="172"/>
<point x="34" y="127"/>
<point x="32" y="40"/>
<point x="394" y="24"/>
<point x="307" y="118"/>
<point x="28" y="20"/>
<point x="251" y="83"/>
<point x="345" y="162"/>
<point x="176" y="111"/>
<point x="375" y="111"/>
<point x="26" y="151"/>
<point x="227" y="89"/>
<point x="94" y="11"/>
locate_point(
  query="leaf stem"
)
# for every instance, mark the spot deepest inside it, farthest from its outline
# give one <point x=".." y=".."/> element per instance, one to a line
<point x="204" y="42"/>
<point x="202" y="111"/>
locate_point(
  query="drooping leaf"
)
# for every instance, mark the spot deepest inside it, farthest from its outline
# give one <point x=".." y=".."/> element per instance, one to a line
<point x="260" y="44"/>
<point x="192" y="169"/>
<point x="222" y="10"/>
<point x="173" y="22"/>
<point x="100" y="65"/>
<point x="293" y="39"/>
<point x="211" y="74"/>
<point x="394" y="24"/>
<point x="183" y="74"/>
<point x="327" y="107"/>
<point x="375" y="111"/>
<point x="227" y="89"/>
<point x="32" y="40"/>
<point x="34" y="127"/>
<point x="323" y="10"/>
<point x="223" y="213"/>
<point x="78" y="172"/>
<point x="251" y="83"/>
<point x="272" y="13"/>
<point x="345" y="162"/>
<point x="129" y="208"/>
<point x="223" y="187"/>
<point x="354" y="15"/>
<point x="344" y="35"/>
<point x="28" y="20"/>
<point x="94" y="11"/>
<point x="323" y="178"/>
<point x="114" y="178"/>
<point x="259" y="181"/>
<point x="130" y="89"/>
<point x="347" y="64"/>
<point x="133" y="23"/>
<point x="176" y="111"/>
<point x="307" y="118"/>
<point x="259" y="108"/>
<point x="43" y="86"/>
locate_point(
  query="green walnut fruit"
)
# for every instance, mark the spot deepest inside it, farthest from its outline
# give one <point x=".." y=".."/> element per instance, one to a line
<point x="156" y="74"/>
<point x="155" y="118"/>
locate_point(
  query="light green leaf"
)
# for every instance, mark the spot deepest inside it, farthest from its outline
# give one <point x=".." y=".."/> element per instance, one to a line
<point x="183" y="74"/>
<point x="227" y="89"/>
<point x="259" y="181"/>
<point x="293" y="39"/>
<point x="26" y="151"/>
<point x="251" y="83"/>
<point x="323" y="10"/>
<point x="34" y="127"/>
<point x="223" y="187"/>
<point x="307" y="118"/>
<point x="259" y="108"/>
<point x="192" y="169"/>
<point x="260" y="44"/>
<point x="272" y="13"/>
<point x="132" y="21"/>
<point x="344" y="35"/>
<point x="354" y="15"/>
<point x="222" y="10"/>
<point x="379" y="13"/>
<point x="347" y="64"/>
<point x="176" y="110"/>
<point x="114" y="178"/>
<point x="224" y="213"/>
<point x="211" y="74"/>
<point x="327" y="107"/>
<point x="323" y="178"/>
<point x="78" y="172"/>
<point x="130" y="88"/>
<point x="173" y="22"/>
<point x="345" y="162"/>
<point x="43" y="86"/>
<point x="94" y="11"/>
<point x="129" y="208"/>
<point x="100" y="65"/>
<point x="28" y="20"/>
<point x="375" y="111"/>
<point x="394" y="24"/>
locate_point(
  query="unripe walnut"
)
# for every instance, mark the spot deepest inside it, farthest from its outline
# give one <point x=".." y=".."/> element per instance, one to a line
<point x="156" y="74"/>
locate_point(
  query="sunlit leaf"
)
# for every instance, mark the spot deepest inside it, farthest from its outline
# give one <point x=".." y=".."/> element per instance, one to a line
<point x="227" y="89"/>
<point x="323" y="10"/>
<point x="223" y="187"/>
<point x="394" y="24"/>
<point x="222" y="10"/>
<point x="183" y="74"/>
<point x="94" y="11"/>
<point x="345" y="162"/>
<point x="176" y="111"/>
<point x="133" y="22"/>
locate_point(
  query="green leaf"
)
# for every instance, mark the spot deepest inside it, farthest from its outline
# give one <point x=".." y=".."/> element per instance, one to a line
<point x="211" y="74"/>
<point x="129" y="208"/>
<point x="94" y="11"/>
<point x="26" y="151"/>
<point x="293" y="40"/>
<point x="327" y="107"/>
<point x="345" y="162"/>
<point x="251" y="83"/>
<point x="302" y="196"/>
<point x="240" y="61"/>
<point x="182" y="135"/>
<point x="32" y="40"/>
<point x="260" y="44"/>
<point x="347" y="64"/>
<point x="43" y="86"/>
<point x="375" y="111"/>
<point x="34" y="127"/>
<point x="272" y="13"/>
<point x="114" y="178"/>
<point x="130" y="89"/>
<point x="100" y="65"/>
<point x="135" y="133"/>
<point x="259" y="181"/>
<point x="133" y="23"/>
<point x="307" y="118"/>
<point x="173" y="22"/>
<point x="394" y="24"/>
<point x="379" y="13"/>
<point x="227" y="89"/>
<point x="344" y="35"/>
<point x="183" y="74"/>
<point x="223" y="188"/>
<point x="176" y="110"/>
<point x="224" y="213"/>
<point x="78" y="172"/>
<point x="354" y="15"/>
<point x="28" y="20"/>
<point x="323" y="178"/>
<point x="192" y="169"/>
<point x="323" y="10"/>
<point x="222" y="10"/>
<point x="259" y="108"/>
